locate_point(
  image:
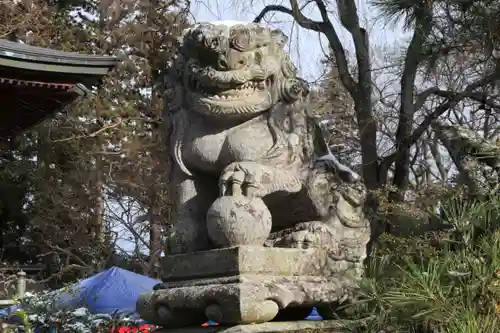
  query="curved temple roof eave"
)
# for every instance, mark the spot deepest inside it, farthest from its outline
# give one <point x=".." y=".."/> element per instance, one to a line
<point x="22" y="52"/>
<point x="60" y="78"/>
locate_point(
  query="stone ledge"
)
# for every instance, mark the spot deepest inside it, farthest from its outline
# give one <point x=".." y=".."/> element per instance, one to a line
<point x="246" y="284"/>
<point x="252" y="260"/>
<point x="252" y="300"/>
<point x="325" y="326"/>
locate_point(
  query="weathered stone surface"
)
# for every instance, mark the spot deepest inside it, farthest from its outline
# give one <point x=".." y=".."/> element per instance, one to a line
<point x="240" y="127"/>
<point x="252" y="169"/>
<point x="326" y="326"/>
<point x="245" y="285"/>
<point x="243" y="260"/>
<point x="239" y="220"/>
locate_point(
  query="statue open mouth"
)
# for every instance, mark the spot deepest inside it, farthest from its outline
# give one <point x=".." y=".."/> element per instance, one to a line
<point x="248" y="89"/>
<point x="249" y="92"/>
<point x="247" y="98"/>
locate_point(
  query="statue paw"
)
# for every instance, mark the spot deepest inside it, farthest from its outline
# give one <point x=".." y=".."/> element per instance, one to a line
<point x="253" y="179"/>
<point x="305" y="235"/>
<point x="241" y="178"/>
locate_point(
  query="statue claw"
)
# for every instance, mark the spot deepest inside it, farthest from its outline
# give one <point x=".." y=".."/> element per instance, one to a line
<point x="239" y="179"/>
<point x="306" y="235"/>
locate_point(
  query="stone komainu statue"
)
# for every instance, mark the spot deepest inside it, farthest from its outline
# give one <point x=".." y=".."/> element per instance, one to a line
<point x="245" y="152"/>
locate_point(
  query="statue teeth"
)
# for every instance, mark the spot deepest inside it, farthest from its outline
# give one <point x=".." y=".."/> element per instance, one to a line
<point x="247" y="85"/>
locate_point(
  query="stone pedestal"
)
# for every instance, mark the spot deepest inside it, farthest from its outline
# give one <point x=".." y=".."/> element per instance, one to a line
<point x="246" y="285"/>
<point x="326" y="326"/>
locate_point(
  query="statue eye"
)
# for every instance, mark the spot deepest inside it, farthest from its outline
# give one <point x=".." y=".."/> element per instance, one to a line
<point x="222" y="62"/>
<point x="258" y="57"/>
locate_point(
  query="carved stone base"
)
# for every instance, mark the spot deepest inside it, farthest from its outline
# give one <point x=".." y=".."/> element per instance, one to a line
<point x="246" y="284"/>
<point x="327" y="326"/>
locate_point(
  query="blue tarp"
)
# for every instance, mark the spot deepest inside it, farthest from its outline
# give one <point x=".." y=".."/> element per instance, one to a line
<point x="314" y="315"/>
<point x="114" y="291"/>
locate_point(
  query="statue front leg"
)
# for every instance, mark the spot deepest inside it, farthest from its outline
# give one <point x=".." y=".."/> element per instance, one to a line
<point x="254" y="179"/>
<point x="192" y="198"/>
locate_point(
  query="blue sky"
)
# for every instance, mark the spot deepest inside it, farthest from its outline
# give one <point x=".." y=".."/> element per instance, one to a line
<point x="306" y="48"/>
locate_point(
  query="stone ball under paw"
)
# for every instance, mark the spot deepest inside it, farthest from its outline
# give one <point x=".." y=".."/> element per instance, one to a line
<point x="238" y="220"/>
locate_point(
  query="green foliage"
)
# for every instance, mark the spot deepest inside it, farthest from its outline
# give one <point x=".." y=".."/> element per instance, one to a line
<point x="407" y="10"/>
<point x="445" y="281"/>
<point x="463" y="31"/>
<point x="23" y="316"/>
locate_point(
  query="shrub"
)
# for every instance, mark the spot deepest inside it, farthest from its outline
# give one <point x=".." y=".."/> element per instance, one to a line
<point x="441" y="281"/>
<point x="40" y="311"/>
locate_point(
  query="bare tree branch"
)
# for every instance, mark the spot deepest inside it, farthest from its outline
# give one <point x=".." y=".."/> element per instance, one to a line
<point x="360" y="91"/>
<point x="454" y="99"/>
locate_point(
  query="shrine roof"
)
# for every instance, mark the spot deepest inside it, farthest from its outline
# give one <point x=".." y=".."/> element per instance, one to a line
<point x="36" y="82"/>
<point x="70" y="62"/>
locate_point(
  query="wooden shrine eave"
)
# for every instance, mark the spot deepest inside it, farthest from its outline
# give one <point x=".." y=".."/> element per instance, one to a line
<point x="54" y="86"/>
<point x="27" y="57"/>
<point x="25" y="105"/>
<point x="36" y="82"/>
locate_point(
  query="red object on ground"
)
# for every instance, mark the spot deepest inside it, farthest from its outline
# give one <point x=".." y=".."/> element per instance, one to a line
<point x="144" y="328"/>
<point x="133" y="329"/>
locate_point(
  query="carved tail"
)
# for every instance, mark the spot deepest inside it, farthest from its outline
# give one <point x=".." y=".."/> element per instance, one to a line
<point x="180" y="123"/>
